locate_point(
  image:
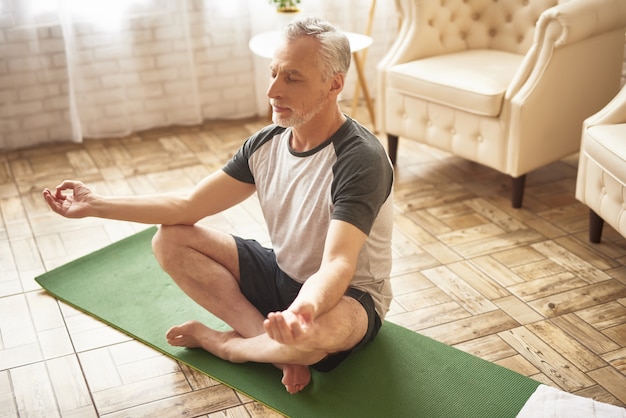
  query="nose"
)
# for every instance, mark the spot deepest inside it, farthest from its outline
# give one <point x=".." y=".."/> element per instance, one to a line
<point x="273" y="90"/>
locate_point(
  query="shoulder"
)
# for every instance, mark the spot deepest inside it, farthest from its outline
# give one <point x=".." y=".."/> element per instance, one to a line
<point x="238" y="166"/>
<point x="363" y="176"/>
<point x="359" y="151"/>
<point x="254" y="142"/>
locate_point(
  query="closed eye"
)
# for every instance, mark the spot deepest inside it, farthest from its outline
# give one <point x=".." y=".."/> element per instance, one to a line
<point x="289" y="75"/>
<point x="290" y="78"/>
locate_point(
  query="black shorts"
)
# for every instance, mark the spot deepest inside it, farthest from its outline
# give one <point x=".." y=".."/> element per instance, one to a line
<point x="268" y="288"/>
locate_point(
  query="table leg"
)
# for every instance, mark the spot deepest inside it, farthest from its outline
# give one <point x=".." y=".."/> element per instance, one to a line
<point x="362" y="82"/>
<point x="357" y="91"/>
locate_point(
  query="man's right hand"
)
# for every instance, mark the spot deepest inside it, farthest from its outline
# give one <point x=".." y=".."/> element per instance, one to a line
<point x="294" y="326"/>
<point x="71" y="205"/>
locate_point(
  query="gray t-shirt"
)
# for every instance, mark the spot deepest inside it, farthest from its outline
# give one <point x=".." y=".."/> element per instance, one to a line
<point x="348" y="177"/>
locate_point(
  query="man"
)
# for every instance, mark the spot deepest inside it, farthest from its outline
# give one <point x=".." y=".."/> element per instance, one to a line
<point x="324" y="185"/>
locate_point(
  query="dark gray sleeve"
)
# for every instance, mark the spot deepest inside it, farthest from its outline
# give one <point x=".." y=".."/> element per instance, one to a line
<point x="363" y="180"/>
<point x="237" y="167"/>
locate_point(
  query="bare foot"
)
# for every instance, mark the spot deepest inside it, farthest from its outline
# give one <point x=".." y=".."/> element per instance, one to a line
<point x="295" y="377"/>
<point x="185" y="335"/>
<point x="194" y="334"/>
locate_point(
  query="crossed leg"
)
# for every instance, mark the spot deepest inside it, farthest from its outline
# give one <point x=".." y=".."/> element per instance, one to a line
<point x="205" y="265"/>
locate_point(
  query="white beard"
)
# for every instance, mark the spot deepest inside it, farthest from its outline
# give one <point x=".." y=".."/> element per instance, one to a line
<point x="296" y="119"/>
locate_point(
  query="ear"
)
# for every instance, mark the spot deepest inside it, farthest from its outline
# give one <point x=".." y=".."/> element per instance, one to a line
<point x="337" y="83"/>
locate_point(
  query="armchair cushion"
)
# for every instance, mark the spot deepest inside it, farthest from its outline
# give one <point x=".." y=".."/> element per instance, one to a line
<point x="474" y="81"/>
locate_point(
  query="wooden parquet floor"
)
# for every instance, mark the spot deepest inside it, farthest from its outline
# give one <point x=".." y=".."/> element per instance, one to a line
<point x="522" y="288"/>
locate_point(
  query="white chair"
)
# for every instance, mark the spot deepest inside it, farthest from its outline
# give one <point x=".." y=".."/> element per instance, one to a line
<point x="504" y="83"/>
<point x="601" y="182"/>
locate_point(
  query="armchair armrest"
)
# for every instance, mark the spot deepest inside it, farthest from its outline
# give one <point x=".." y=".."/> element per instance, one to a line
<point x="584" y="19"/>
<point x="414" y="41"/>
<point x="613" y="113"/>
<point x="566" y="24"/>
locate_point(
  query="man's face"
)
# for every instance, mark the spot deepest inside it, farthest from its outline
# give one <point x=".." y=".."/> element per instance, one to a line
<point x="297" y="90"/>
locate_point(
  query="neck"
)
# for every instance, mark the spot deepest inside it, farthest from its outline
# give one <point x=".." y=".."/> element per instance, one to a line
<point x="313" y="133"/>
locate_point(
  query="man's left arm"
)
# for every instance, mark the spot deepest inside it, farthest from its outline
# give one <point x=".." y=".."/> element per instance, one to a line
<point x="323" y="290"/>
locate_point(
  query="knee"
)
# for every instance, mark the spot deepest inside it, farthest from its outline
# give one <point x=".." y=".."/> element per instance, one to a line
<point x="165" y="242"/>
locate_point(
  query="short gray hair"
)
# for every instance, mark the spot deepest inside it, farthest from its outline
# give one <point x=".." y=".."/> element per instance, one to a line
<point x="334" y="46"/>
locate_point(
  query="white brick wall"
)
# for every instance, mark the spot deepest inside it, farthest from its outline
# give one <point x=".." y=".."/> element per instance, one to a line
<point x="33" y="85"/>
<point x="151" y="78"/>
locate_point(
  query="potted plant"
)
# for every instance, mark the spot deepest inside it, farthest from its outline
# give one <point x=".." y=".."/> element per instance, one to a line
<point x="286" y="6"/>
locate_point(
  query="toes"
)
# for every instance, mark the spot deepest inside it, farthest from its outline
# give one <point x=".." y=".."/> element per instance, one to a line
<point x="175" y="342"/>
<point x="181" y="335"/>
<point x="174" y="334"/>
<point x="295" y="388"/>
<point x="295" y="378"/>
<point x="174" y="338"/>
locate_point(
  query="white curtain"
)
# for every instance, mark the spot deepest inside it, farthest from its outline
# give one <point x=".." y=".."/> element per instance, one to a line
<point x="71" y="69"/>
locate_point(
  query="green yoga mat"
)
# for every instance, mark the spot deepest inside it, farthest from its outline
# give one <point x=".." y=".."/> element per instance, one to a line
<point x="400" y="374"/>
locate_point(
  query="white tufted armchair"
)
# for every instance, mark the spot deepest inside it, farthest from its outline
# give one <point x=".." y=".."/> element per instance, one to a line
<point x="504" y="83"/>
<point x="601" y="182"/>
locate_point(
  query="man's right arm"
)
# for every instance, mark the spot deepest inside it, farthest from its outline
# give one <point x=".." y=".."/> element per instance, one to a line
<point x="215" y="193"/>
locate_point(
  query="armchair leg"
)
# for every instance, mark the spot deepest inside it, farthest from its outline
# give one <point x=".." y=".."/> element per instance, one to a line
<point x="392" y="147"/>
<point x="517" y="190"/>
<point x="595" y="227"/>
